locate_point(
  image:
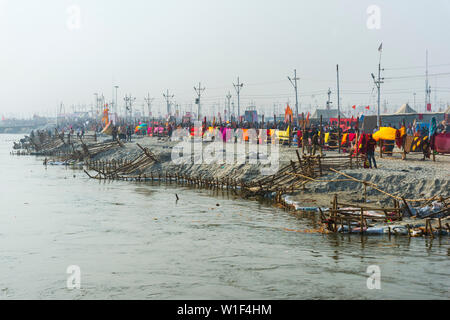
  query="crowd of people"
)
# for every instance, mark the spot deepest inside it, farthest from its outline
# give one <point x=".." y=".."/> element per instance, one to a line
<point x="313" y="137"/>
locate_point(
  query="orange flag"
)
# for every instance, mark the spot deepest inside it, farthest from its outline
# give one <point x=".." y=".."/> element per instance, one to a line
<point x="287" y="114"/>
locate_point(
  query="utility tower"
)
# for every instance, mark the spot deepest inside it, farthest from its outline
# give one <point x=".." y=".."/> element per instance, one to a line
<point x="427" y="86"/>
<point x="232" y="104"/>
<point x="228" y="105"/>
<point x="168" y="97"/>
<point x="378" y="81"/>
<point x="329" y="99"/>
<point x="199" y="91"/>
<point x="129" y="105"/>
<point x="294" y="84"/>
<point x="238" y="88"/>
<point x="149" y="101"/>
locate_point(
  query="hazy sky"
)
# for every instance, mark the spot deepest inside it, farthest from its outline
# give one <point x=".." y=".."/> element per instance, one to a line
<point x="150" y="46"/>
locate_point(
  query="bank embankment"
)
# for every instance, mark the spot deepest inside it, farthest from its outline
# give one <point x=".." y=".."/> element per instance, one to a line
<point x="412" y="178"/>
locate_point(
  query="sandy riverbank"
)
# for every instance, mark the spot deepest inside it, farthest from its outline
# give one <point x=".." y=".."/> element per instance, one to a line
<point x="411" y="178"/>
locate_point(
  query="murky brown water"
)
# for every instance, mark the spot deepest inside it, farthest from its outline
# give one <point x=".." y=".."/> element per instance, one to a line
<point x="134" y="241"/>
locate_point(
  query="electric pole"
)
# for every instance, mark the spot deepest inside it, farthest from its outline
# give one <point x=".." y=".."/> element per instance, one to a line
<point x="338" y="109"/>
<point x="294" y="84"/>
<point x="329" y="99"/>
<point x="427" y="86"/>
<point x="149" y="101"/>
<point x="168" y="97"/>
<point x="378" y="83"/>
<point x="238" y="88"/>
<point x="199" y="91"/>
<point x="129" y="105"/>
<point x="228" y="105"/>
<point x="234" y="114"/>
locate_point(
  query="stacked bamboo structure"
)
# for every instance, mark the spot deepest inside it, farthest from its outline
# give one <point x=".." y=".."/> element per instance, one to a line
<point x="120" y="169"/>
<point x="350" y="218"/>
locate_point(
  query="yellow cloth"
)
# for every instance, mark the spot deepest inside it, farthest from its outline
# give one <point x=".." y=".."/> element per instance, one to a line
<point x="327" y="136"/>
<point x="385" y="133"/>
<point x="283" y="135"/>
<point x="344" y="138"/>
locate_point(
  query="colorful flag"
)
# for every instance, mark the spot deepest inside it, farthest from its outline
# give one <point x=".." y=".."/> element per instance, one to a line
<point x="368" y="107"/>
<point x="288" y="114"/>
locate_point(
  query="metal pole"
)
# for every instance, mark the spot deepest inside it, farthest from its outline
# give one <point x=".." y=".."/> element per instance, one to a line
<point x="338" y="110"/>
<point x="238" y="88"/>
<point x="296" y="97"/>
<point x="378" y="108"/>
<point x="294" y="84"/>
<point x="228" y="105"/>
<point x="199" y="94"/>
<point x="116" y="104"/>
<point x="168" y="97"/>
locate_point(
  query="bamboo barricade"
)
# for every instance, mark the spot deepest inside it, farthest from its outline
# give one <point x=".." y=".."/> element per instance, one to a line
<point x="91" y="150"/>
<point x="297" y="175"/>
<point x="20" y="153"/>
<point x="70" y="138"/>
<point x="350" y="218"/>
<point x="112" y="169"/>
<point x="48" y="146"/>
<point x="228" y="183"/>
<point x="290" y="178"/>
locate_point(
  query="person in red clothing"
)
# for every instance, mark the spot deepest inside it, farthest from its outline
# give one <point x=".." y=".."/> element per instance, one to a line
<point x="371" y="144"/>
<point x="299" y="138"/>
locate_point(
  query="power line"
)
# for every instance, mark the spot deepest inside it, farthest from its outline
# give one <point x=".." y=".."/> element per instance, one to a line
<point x="419" y="76"/>
<point x="419" y="67"/>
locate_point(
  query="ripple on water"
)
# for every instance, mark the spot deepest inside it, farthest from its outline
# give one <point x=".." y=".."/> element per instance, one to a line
<point x="136" y="241"/>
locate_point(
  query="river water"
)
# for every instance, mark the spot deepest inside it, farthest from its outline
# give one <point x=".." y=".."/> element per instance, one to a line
<point x="135" y="241"/>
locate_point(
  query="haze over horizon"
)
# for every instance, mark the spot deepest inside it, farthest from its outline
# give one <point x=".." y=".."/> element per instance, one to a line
<point x="151" y="46"/>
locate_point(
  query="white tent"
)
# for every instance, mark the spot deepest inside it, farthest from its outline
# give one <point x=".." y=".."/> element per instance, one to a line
<point x="405" y="109"/>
